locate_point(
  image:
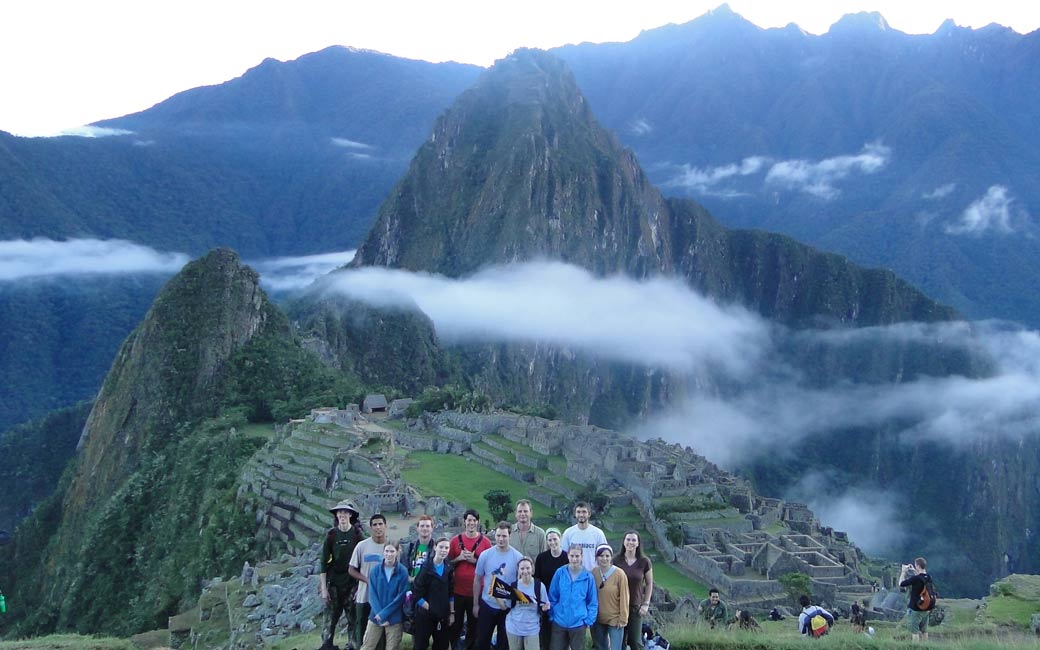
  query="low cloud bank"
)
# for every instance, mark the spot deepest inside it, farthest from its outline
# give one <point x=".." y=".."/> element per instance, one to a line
<point x="753" y="398"/>
<point x="774" y="414"/>
<point x="292" y="273"/>
<point x="658" y="322"/>
<point x="39" y="257"/>
<point x="818" y="178"/>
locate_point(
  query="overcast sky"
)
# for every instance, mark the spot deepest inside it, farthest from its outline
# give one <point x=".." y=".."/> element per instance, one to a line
<point x="64" y="63"/>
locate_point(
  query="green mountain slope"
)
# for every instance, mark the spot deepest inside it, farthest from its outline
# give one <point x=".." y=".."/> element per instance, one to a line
<point x="148" y="507"/>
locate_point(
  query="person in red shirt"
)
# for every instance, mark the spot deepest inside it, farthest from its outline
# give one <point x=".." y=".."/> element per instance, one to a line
<point x="465" y="548"/>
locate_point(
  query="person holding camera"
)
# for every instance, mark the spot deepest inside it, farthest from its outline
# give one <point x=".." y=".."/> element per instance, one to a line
<point x="915" y="576"/>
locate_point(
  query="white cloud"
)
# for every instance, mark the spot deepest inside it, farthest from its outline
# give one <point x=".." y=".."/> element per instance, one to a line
<point x="705" y="180"/>
<point x="94" y="132"/>
<point x="658" y="322"/>
<point x="940" y="192"/>
<point x="291" y="273"/>
<point x="776" y="412"/>
<point x="991" y="212"/>
<point x="20" y="259"/>
<point x="350" y="144"/>
<point x="752" y="398"/>
<point x="819" y="178"/>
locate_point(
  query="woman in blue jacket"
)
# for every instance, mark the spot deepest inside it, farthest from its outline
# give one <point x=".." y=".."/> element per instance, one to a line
<point x="573" y="603"/>
<point x="387" y="585"/>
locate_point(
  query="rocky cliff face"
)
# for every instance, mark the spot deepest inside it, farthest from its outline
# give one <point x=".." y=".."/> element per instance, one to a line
<point x="518" y="169"/>
<point x="165" y="371"/>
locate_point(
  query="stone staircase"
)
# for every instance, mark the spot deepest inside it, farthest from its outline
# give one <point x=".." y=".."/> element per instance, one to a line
<point x="300" y="473"/>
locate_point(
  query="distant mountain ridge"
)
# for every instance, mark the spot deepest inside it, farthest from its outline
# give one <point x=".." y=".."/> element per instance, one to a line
<point x="865" y="141"/>
<point x="289" y="158"/>
<point x="933" y="135"/>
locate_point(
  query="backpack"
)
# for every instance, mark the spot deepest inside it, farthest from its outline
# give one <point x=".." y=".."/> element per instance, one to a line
<point x="816" y="625"/>
<point x="462" y="542"/>
<point x="926" y="601"/>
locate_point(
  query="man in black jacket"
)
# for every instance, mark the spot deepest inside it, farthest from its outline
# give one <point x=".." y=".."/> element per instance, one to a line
<point x="916" y="577"/>
<point x="337" y="586"/>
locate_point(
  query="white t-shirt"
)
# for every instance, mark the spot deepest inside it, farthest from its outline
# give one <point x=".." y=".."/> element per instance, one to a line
<point x="587" y="539"/>
<point x="367" y="554"/>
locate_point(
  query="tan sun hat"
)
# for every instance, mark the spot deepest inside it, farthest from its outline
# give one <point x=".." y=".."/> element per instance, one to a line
<point x="345" y="504"/>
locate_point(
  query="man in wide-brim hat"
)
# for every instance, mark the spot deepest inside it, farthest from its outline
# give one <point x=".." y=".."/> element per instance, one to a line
<point x="337" y="586"/>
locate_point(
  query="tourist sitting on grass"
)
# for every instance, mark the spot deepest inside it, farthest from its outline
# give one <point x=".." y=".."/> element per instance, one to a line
<point x="713" y="610"/>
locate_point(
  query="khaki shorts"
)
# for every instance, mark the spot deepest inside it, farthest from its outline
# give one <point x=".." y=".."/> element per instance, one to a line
<point x="917" y="622"/>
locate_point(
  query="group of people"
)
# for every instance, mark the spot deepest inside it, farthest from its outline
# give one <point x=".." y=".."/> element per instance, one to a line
<point x="530" y="588"/>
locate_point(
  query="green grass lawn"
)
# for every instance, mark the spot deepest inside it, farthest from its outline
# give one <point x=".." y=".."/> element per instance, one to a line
<point x="503" y="457"/>
<point x="677" y="584"/>
<point x="262" y="430"/>
<point x="1010" y="610"/>
<point x="515" y="446"/>
<point x="783" y="635"/>
<point x="68" y="642"/>
<point x="464" y="481"/>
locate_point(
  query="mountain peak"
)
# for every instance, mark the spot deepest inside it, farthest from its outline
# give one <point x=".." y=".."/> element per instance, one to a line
<point x="860" y="23"/>
<point x="518" y="169"/>
<point x="164" y="373"/>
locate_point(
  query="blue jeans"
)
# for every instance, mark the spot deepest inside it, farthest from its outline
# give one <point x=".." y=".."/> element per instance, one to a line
<point x="604" y="634"/>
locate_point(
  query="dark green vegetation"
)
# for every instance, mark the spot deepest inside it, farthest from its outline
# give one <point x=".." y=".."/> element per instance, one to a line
<point x="34" y="456"/>
<point x="796" y="585"/>
<point x="500" y="504"/>
<point x="442" y="398"/>
<point x="149" y="508"/>
<point x="60" y="337"/>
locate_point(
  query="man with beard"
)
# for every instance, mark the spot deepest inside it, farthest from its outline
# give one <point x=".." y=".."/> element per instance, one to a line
<point x="583" y="535"/>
